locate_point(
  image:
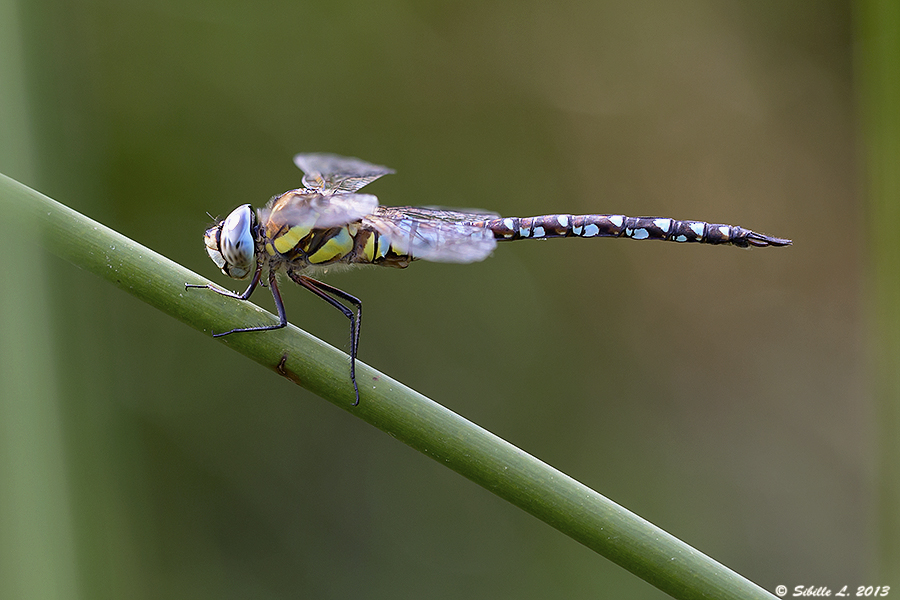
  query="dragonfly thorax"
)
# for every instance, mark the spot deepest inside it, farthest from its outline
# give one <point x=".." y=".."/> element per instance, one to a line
<point x="231" y="245"/>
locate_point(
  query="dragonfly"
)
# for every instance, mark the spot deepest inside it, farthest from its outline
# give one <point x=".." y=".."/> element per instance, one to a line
<point x="327" y="223"/>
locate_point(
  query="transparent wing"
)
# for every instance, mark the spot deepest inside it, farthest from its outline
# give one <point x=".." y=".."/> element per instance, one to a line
<point x="434" y="234"/>
<point x="317" y="211"/>
<point x="330" y="173"/>
<point x="436" y="213"/>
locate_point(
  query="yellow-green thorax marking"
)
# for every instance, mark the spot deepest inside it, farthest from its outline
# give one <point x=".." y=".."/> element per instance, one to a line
<point x="304" y="244"/>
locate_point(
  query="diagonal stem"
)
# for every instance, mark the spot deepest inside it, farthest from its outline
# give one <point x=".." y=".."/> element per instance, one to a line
<point x="567" y="505"/>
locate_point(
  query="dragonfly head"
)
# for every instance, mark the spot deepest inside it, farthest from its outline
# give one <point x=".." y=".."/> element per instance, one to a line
<point x="230" y="243"/>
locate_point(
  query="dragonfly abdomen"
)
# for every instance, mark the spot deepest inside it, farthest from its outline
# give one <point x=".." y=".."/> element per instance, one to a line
<point x="638" y="228"/>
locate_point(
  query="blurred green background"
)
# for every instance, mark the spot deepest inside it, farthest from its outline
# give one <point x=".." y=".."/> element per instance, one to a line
<point x="722" y="394"/>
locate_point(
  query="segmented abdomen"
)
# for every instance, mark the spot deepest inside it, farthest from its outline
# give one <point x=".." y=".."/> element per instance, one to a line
<point x="638" y="228"/>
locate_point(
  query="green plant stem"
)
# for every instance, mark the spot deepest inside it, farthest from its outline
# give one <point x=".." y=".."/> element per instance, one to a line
<point x="569" y="506"/>
<point x="878" y="66"/>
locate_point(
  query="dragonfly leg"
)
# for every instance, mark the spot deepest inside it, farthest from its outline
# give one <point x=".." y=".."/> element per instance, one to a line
<point x="246" y="295"/>
<point x="276" y="294"/>
<point x="333" y="296"/>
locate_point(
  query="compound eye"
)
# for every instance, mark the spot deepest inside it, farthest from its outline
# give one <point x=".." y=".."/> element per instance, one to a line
<point x="236" y="243"/>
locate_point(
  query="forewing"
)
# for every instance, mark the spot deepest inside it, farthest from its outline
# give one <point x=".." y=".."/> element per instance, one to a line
<point x="330" y="173"/>
<point x="429" y="213"/>
<point x="434" y="234"/>
<point x="318" y="211"/>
